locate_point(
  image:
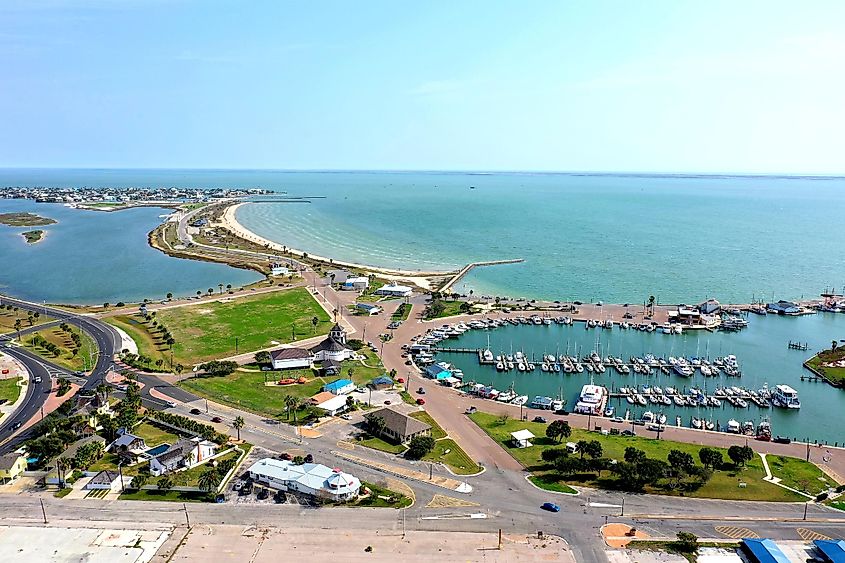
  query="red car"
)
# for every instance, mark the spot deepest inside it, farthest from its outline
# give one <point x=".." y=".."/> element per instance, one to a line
<point x="420" y="401"/>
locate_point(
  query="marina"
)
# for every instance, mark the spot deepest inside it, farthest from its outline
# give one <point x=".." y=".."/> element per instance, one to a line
<point x="709" y="380"/>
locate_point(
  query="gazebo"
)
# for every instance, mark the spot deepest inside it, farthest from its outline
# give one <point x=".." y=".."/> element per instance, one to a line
<point x="521" y="438"/>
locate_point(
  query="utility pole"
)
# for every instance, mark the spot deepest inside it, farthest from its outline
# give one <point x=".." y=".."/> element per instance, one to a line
<point x="622" y="513"/>
<point x="120" y="471"/>
<point x="806" y="504"/>
<point x="403" y="523"/>
<point x="187" y="518"/>
<point x="43" y="511"/>
<point x="430" y="472"/>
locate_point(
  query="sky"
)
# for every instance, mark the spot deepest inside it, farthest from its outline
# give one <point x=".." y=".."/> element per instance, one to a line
<point x="652" y="86"/>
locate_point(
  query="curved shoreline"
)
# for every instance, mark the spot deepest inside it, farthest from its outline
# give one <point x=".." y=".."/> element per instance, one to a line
<point x="229" y="221"/>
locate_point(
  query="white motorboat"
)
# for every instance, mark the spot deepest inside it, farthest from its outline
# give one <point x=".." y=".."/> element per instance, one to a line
<point x="786" y="397"/>
<point x="519" y="401"/>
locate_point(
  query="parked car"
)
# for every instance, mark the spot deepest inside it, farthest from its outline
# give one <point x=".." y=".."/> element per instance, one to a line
<point x="37" y="380"/>
<point x="387" y="402"/>
<point x="285" y="456"/>
<point x="628" y="433"/>
<point x="540" y="419"/>
<point x="471" y="410"/>
<point x="550" y="506"/>
<point x="238" y="485"/>
<point x="781" y="440"/>
<point x="309" y="458"/>
<point x="420" y="401"/>
<point x="196" y="411"/>
<point x="17" y="425"/>
<point x="263" y="494"/>
<point x="346" y="416"/>
<point x="217" y="419"/>
<point x="421" y="391"/>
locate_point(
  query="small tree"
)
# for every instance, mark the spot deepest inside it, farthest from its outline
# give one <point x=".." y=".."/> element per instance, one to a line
<point x="710" y="458"/>
<point x="419" y="447"/>
<point x="740" y="455"/>
<point x="634" y="455"/>
<point x="687" y="542"/>
<point x="138" y="481"/>
<point x="165" y="483"/>
<point x="558" y="429"/>
<point x="262" y="357"/>
<point x="375" y="424"/>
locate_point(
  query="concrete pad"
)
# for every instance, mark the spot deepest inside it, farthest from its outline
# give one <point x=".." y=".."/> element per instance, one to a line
<point x="21" y="543"/>
<point x="270" y="545"/>
<point x="717" y="555"/>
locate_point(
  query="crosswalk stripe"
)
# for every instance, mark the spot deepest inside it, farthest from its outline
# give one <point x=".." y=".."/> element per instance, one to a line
<point x="736" y="532"/>
<point x="810" y="535"/>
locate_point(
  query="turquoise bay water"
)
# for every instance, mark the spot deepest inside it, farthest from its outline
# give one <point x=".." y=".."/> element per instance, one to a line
<point x="611" y="238"/>
<point x="92" y="257"/>
<point x="761" y="350"/>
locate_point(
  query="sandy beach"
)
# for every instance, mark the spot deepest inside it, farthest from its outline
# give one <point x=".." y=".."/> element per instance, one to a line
<point x="420" y="278"/>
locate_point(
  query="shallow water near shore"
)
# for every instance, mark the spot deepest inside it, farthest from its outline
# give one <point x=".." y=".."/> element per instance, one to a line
<point x="761" y="350"/>
<point x="93" y="257"/>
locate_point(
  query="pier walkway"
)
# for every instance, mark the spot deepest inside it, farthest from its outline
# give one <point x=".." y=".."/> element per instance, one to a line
<point x="465" y="270"/>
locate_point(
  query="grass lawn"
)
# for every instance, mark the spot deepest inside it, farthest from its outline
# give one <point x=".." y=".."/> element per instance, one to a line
<point x="838" y="505"/>
<point x="835" y="374"/>
<point x="397" y="500"/>
<point x="173" y="496"/>
<point x="9" y="389"/>
<point x="402" y="312"/>
<point x="62" y="493"/>
<point x="8" y="318"/>
<point x="550" y="483"/>
<point x="246" y="389"/>
<point x="799" y="474"/>
<point x="83" y="360"/>
<point x="154" y="435"/>
<point x="109" y="461"/>
<point x="450" y="309"/>
<point x="724" y="484"/>
<point x="208" y="330"/>
<point x="382" y="445"/>
<point x="436" y="432"/>
<point x="456" y="458"/>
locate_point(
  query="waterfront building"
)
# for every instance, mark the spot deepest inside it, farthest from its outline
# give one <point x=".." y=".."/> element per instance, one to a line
<point x="381" y="383"/>
<point x="394" y="290"/>
<point x="312" y="479"/>
<point x="356" y="283"/>
<point x="400" y="427"/>
<point x="279" y="270"/>
<point x="291" y="358"/>
<point x="437" y="371"/>
<point x="783" y="308"/>
<point x="710" y="307"/>
<point x="338" y="276"/>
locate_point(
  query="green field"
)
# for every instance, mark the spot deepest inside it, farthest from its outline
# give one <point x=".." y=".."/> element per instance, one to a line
<point x="154" y="435"/>
<point x="448" y="452"/>
<point x="83" y="360"/>
<point x="9" y="390"/>
<point x="8" y="318"/>
<point x="171" y="496"/>
<point x="245" y="389"/>
<point x="450" y="309"/>
<point x="724" y="484"/>
<point x="382" y="445"/>
<point x="398" y="500"/>
<point x="209" y="330"/>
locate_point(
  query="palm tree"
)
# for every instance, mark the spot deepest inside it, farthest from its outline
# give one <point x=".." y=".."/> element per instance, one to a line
<point x="220" y="285"/>
<point x="314" y="322"/>
<point x="651" y="303"/>
<point x="237" y="425"/>
<point x="199" y="293"/>
<point x="62" y="465"/>
<point x="210" y="290"/>
<point x="169" y="295"/>
<point x="209" y="480"/>
<point x="229" y="287"/>
<point x="335" y="312"/>
<point x="18" y="327"/>
<point x="292" y="404"/>
<point x="103" y="391"/>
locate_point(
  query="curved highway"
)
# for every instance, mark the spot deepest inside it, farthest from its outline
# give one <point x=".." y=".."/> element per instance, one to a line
<point x="105" y="337"/>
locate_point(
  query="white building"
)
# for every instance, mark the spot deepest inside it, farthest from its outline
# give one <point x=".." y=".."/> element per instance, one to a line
<point x="311" y="479"/>
<point x="104" y="480"/>
<point x="184" y="454"/>
<point x="333" y="406"/>
<point x="279" y="270"/>
<point x="333" y="348"/>
<point x="291" y="358"/>
<point x="394" y="290"/>
<point x="357" y="283"/>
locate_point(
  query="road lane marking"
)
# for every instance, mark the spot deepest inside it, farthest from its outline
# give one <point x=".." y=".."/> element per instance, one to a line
<point x="736" y="532"/>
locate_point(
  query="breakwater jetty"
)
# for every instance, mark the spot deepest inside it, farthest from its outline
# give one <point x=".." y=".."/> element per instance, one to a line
<point x="466" y="269"/>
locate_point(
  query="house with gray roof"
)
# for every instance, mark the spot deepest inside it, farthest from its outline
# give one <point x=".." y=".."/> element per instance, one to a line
<point x="312" y="479"/>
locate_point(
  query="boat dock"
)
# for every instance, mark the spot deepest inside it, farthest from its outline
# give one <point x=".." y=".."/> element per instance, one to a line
<point x="803" y="346"/>
<point x="466" y="269"/>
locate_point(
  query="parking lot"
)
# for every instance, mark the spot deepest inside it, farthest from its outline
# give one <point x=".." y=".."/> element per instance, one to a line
<point x="242" y="490"/>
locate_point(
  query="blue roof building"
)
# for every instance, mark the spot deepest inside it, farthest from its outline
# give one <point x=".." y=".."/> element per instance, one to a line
<point x="436" y="371"/>
<point x="763" y="551"/>
<point x="340" y="386"/>
<point x="832" y="551"/>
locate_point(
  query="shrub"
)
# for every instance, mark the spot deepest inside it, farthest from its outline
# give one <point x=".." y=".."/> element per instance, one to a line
<point x="419" y="447"/>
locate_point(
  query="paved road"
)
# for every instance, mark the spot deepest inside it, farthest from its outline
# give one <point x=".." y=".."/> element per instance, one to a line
<point x="106" y="339"/>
